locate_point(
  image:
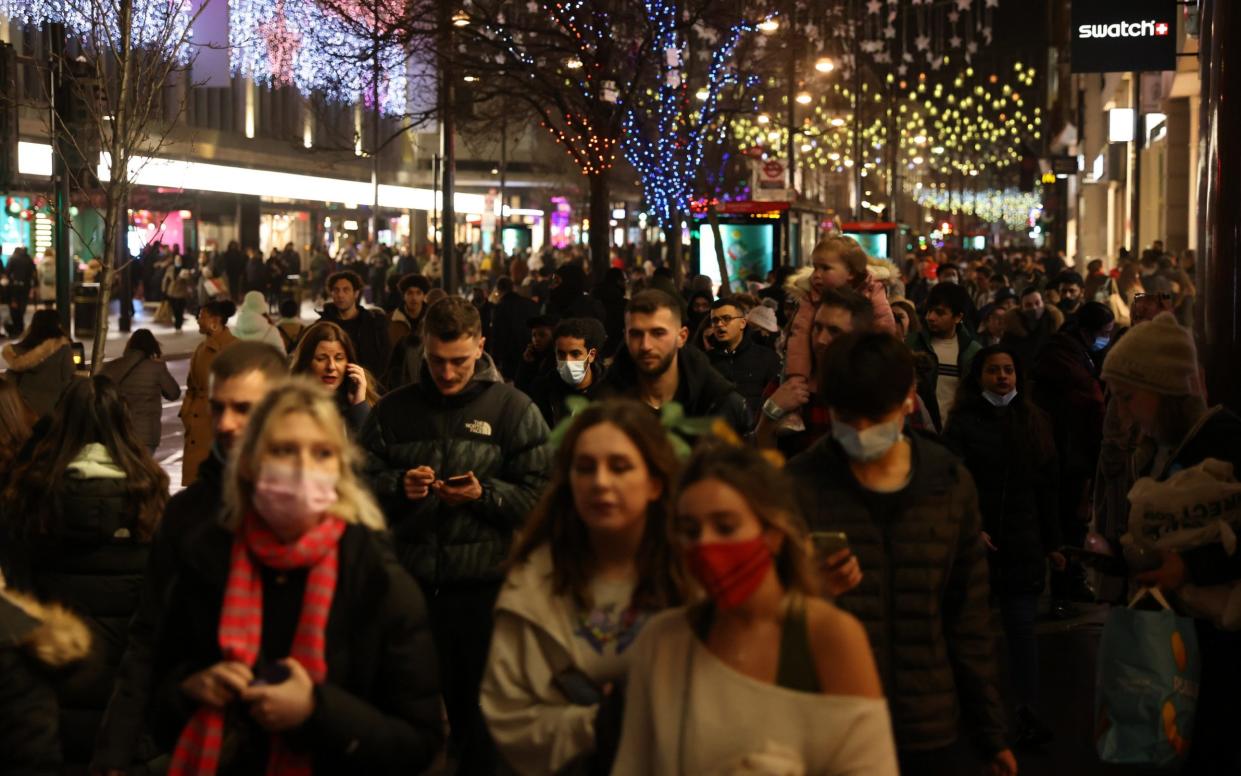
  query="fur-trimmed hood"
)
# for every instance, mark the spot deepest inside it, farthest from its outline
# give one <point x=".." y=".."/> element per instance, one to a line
<point x="49" y="633"/>
<point x="23" y="362"/>
<point x="1015" y="322"/>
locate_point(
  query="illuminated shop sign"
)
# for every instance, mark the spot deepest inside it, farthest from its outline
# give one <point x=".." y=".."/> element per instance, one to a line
<point x="1111" y="36"/>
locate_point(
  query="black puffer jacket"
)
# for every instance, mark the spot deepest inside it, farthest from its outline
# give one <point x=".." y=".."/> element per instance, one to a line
<point x="378" y="710"/>
<point x="119" y="742"/>
<point x="490" y="429"/>
<point x="923" y="595"/>
<point x="702" y="391"/>
<point x="751" y="368"/>
<point x="94" y="567"/>
<point x="1017" y="489"/>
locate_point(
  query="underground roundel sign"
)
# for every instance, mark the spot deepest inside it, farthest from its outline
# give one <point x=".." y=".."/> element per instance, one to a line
<point x="1111" y="36"/>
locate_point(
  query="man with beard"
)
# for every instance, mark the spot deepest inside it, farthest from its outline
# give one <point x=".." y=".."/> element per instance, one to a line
<point x="1028" y="328"/>
<point x="1072" y="292"/>
<point x="655" y="367"/>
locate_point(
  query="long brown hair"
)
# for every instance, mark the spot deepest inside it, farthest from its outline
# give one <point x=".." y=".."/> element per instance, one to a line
<point x="326" y="331"/>
<point x="555" y="522"/>
<point x="769" y="493"/>
<point x="91" y="411"/>
<point x="16" y="422"/>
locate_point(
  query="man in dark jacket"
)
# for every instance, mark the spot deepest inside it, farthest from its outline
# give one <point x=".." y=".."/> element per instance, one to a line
<point x="579" y="371"/>
<point x="539" y="357"/>
<point x="240" y="377"/>
<point x="457" y="459"/>
<point x="749" y="366"/>
<point x="367" y="328"/>
<point x="949" y="347"/>
<point x="21" y="273"/>
<point x="655" y="367"/>
<point x="509" y="332"/>
<point x="919" y="582"/>
<point x="1027" y="329"/>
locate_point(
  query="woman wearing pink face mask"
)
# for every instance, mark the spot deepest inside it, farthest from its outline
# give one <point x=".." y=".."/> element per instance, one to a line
<point x="293" y="642"/>
<point x="764" y="676"/>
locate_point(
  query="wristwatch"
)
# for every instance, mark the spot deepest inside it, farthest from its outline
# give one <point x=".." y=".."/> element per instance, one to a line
<point x="773" y="411"/>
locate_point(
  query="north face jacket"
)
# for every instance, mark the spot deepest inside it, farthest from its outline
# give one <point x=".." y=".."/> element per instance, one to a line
<point x="490" y="429"/>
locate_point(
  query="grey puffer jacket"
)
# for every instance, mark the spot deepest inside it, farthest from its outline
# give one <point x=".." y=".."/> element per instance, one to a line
<point x="490" y="429"/>
<point x="924" y="590"/>
<point x="42" y="373"/>
<point x="143" y="382"/>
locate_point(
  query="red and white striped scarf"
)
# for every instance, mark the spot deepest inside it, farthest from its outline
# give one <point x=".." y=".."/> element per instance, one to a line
<point x="241" y="626"/>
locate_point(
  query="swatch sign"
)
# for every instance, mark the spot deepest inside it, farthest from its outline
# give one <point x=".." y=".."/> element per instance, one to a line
<point x="1110" y="36"/>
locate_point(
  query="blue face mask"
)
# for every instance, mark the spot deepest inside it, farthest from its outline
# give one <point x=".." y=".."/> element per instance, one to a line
<point x="997" y="400"/>
<point x="1101" y="342"/>
<point x="870" y="444"/>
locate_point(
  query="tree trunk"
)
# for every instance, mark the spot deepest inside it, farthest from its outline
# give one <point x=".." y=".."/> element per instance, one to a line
<point x="111" y="255"/>
<point x="600" y="220"/>
<point x="673" y="238"/>
<point x="713" y="218"/>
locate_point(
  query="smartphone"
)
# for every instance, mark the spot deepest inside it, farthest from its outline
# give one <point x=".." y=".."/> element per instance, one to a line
<point x="828" y="543"/>
<point x="460" y="481"/>
<point x="577" y="687"/>
<point x="270" y="673"/>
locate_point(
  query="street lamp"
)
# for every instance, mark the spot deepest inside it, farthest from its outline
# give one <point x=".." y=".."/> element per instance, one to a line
<point x="460" y="19"/>
<point x="763" y="118"/>
<point x="824" y="65"/>
<point x="769" y="25"/>
<point x="803" y="98"/>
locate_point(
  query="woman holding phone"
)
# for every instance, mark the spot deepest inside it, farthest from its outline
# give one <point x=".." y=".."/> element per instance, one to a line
<point x="326" y="353"/>
<point x="593" y="565"/>
<point x="293" y="642"/>
<point x="764" y="676"/>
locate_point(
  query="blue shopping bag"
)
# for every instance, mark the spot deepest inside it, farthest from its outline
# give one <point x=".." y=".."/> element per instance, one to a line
<point x="1147" y="684"/>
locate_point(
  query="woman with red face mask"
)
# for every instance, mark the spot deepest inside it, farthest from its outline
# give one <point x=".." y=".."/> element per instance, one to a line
<point x="764" y="676"/>
<point x="293" y="642"/>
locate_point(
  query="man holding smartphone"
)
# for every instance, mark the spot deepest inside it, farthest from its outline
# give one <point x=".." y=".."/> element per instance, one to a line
<point x="457" y="458"/>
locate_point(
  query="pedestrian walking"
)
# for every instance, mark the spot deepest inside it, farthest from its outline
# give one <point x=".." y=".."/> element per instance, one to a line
<point x="457" y="460"/>
<point x="195" y="408"/>
<point x="368" y="329"/>
<point x="333" y="668"/>
<point x="20" y="270"/>
<point x="42" y="362"/>
<point x="594" y="564"/>
<point x="252" y="322"/>
<point x="577" y="344"/>
<point x="80" y="515"/>
<point x="326" y="354"/>
<point x="176" y="288"/>
<point x="144" y="382"/>
<point x="948" y="345"/>
<point x="764" y="676"/>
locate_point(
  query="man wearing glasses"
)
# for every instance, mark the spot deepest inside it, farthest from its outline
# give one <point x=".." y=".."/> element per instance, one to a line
<point x="749" y="366"/>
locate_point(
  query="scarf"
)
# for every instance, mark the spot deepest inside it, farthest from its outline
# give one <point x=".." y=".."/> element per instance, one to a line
<point x="241" y="624"/>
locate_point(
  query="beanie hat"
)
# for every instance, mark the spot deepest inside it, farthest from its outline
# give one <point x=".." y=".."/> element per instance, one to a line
<point x="252" y="318"/>
<point x="1156" y="355"/>
<point x="763" y="318"/>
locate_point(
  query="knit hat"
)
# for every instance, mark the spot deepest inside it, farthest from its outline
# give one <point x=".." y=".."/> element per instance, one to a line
<point x="252" y="318"/>
<point x="1156" y="355"/>
<point x="763" y="318"/>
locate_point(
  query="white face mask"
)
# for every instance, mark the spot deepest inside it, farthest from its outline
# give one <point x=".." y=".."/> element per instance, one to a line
<point x="573" y="372"/>
<point x="870" y="444"/>
<point x="1000" y="401"/>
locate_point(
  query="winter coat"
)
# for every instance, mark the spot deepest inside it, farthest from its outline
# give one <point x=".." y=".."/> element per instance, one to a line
<point x="256" y="275"/>
<point x="404" y="363"/>
<point x="490" y="429"/>
<point x="1017" y="489"/>
<point x="928" y="379"/>
<point x="702" y="392"/>
<point x="400" y="326"/>
<point x="91" y="561"/>
<point x="1067" y="387"/>
<point x="509" y="333"/>
<point x="195" y="406"/>
<point x="42" y="373"/>
<point x="254" y="327"/>
<point x="923" y="597"/>
<point x="550" y="391"/>
<point x="378" y="711"/>
<point x="751" y="368"/>
<point x="799" y="358"/>
<point x="21" y="271"/>
<point x="536" y="728"/>
<point x="35" y="641"/>
<point x="176" y="283"/>
<point x="369" y="332"/>
<point x="143" y="383"/>
<point x="120" y="741"/>
<point x="1027" y="342"/>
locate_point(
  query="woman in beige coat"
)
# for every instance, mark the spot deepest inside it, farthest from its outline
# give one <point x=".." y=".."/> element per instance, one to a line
<point x="195" y="408"/>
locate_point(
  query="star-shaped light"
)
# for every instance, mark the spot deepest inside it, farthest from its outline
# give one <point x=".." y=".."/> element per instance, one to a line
<point x="971" y="47"/>
<point x="954" y="16"/>
<point x="955" y="41"/>
<point x="993" y="3"/>
<point x="889" y="32"/>
<point x="964" y="5"/>
<point x="922" y="42"/>
<point x="873" y="6"/>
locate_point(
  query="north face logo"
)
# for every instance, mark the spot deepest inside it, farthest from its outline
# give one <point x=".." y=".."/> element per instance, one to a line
<point x="480" y="427"/>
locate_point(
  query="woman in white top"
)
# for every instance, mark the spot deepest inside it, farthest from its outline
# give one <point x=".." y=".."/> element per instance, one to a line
<point x="765" y="677"/>
<point x="592" y="566"/>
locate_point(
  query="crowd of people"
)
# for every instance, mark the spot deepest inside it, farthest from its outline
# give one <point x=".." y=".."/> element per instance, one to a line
<point x="627" y="528"/>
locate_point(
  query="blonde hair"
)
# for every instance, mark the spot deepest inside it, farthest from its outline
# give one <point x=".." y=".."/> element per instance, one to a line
<point x="354" y="503"/>
<point x="848" y="251"/>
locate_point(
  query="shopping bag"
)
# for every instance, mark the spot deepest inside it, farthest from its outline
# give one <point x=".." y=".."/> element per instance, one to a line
<point x="163" y="313"/>
<point x="1146" y="688"/>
